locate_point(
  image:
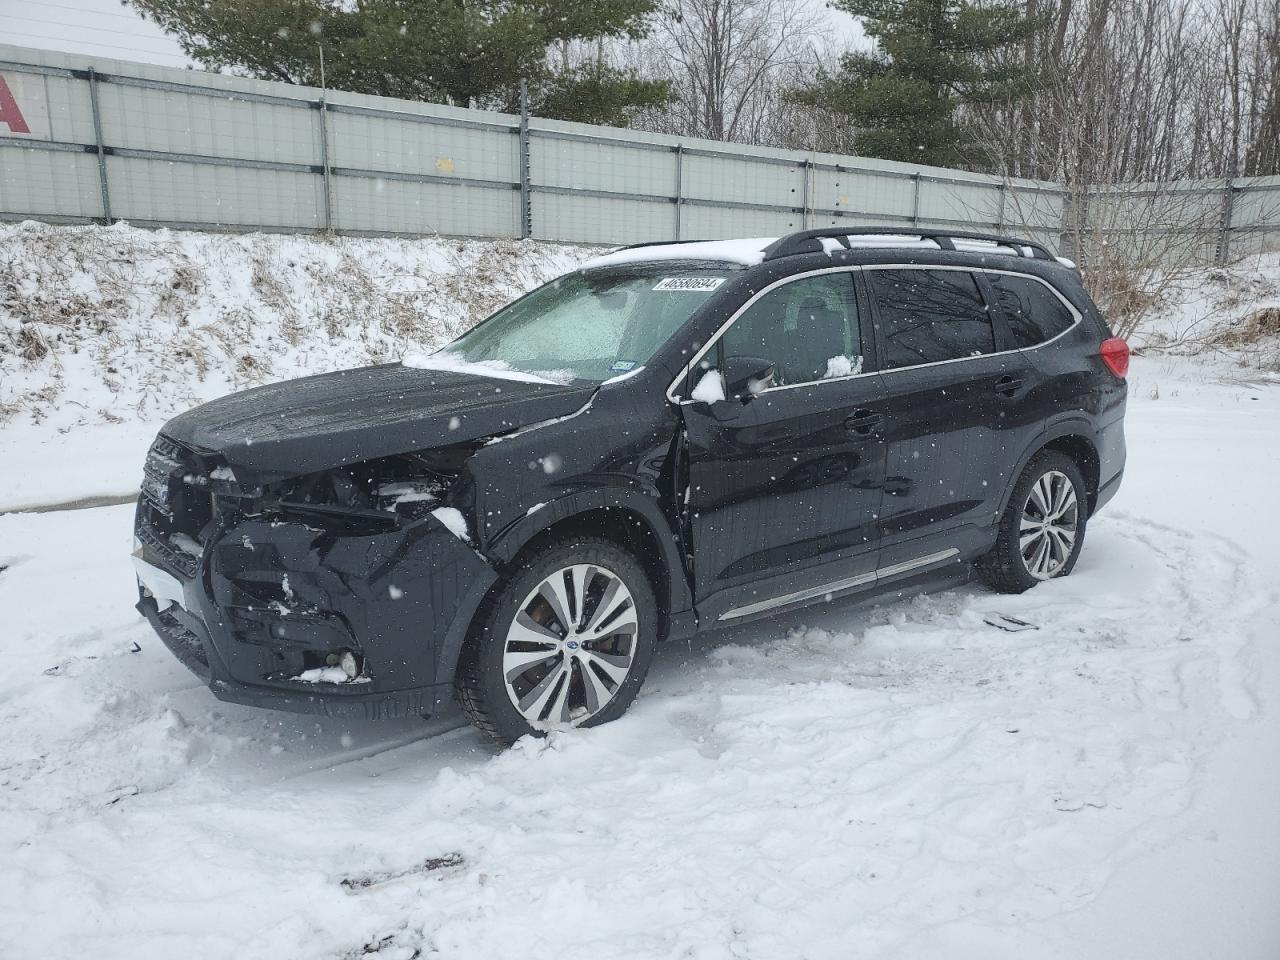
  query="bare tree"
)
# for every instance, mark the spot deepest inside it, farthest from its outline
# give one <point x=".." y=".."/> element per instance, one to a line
<point x="1135" y="90"/>
<point x="724" y="60"/>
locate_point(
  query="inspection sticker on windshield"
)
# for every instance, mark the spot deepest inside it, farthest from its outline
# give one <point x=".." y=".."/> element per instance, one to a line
<point x="696" y="284"/>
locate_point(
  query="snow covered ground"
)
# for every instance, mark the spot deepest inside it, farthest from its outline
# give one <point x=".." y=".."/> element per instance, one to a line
<point x="898" y="780"/>
<point x="895" y="780"/>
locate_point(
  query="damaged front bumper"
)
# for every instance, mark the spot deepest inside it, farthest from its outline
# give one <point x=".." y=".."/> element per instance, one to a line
<point x="272" y="605"/>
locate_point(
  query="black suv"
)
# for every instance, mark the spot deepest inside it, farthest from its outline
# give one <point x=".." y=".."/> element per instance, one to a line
<point x="672" y="437"/>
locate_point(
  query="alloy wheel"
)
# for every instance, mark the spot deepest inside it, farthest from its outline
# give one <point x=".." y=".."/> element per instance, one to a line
<point x="571" y="646"/>
<point x="1050" y="524"/>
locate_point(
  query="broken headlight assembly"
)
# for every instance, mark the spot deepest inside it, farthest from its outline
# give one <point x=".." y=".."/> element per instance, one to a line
<point x="365" y="497"/>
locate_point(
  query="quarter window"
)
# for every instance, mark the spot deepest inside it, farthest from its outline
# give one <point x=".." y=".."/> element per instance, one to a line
<point x="808" y="329"/>
<point x="1034" y="312"/>
<point x="931" y="315"/>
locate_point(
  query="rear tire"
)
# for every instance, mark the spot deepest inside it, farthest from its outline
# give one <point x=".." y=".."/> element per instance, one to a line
<point x="1043" y="526"/>
<point x="525" y="670"/>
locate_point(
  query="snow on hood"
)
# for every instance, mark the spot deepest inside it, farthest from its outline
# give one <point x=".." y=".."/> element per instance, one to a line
<point x="499" y="369"/>
<point x="744" y="252"/>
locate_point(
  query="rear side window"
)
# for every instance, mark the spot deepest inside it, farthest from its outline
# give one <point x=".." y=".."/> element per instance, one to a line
<point x="1034" y="312"/>
<point x="931" y="315"/>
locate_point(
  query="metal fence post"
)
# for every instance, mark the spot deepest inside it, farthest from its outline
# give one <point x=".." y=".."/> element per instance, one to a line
<point x="1223" y="253"/>
<point x="805" y="169"/>
<point x="102" y="154"/>
<point x="526" y="213"/>
<point x="324" y="165"/>
<point x="1081" y="214"/>
<point x="679" y="185"/>
<point x="1066" y="241"/>
<point x="1000" y="194"/>
<point x="915" y="199"/>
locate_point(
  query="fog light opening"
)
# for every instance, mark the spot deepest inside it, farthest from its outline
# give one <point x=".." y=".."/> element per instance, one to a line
<point x="349" y="664"/>
<point x="347" y="660"/>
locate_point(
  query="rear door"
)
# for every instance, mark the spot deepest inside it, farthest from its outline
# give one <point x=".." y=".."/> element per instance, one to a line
<point x="958" y="417"/>
<point x="1058" y="378"/>
<point x="784" y="488"/>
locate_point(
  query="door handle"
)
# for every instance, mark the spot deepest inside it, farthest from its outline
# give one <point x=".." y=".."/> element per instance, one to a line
<point x="897" y="486"/>
<point x="1008" y="386"/>
<point x="863" y="422"/>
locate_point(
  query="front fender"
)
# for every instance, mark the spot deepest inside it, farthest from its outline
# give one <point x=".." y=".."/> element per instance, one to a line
<point x="607" y="493"/>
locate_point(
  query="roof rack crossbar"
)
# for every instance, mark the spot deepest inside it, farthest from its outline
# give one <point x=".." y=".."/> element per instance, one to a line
<point x="802" y="240"/>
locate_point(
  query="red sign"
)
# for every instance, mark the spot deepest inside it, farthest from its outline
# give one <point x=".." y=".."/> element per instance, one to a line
<point x="9" y="112"/>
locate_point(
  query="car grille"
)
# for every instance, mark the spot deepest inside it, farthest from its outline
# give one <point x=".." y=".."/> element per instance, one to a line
<point x="164" y="461"/>
<point x="159" y="548"/>
<point x="175" y="508"/>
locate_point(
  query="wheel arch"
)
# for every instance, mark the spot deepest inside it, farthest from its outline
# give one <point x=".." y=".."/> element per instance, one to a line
<point x="1084" y="454"/>
<point x="1072" y="439"/>
<point x="624" y="527"/>
<point x="635" y="523"/>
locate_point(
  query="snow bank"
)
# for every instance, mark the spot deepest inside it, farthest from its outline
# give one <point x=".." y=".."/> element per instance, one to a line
<point x="121" y="324"/>
<point x="1230" y="312"/>
<point x="106" y="332"/>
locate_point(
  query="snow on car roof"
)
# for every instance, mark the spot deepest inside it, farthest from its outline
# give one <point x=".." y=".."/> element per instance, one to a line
<point x="745" y="252"/>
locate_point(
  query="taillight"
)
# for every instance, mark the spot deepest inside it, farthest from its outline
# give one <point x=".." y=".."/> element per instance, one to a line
<point x="1115" y="354"/>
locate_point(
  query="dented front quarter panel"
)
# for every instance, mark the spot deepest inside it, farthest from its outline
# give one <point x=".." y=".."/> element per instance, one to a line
<point x="617" y="452"/>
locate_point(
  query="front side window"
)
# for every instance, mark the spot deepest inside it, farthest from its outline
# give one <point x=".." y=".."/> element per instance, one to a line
<point x="928" y="316"/>
<point x="808" y="329"/>
<point x="587" y="326"/>
<point x="1034" y="312"/>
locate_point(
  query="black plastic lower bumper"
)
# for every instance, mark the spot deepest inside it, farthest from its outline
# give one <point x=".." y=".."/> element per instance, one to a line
<point x="193" y="650"/>
<point x="272" y="600"/>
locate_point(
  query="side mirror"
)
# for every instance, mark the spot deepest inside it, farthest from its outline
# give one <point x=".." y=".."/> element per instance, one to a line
<point x="744" y="377"/>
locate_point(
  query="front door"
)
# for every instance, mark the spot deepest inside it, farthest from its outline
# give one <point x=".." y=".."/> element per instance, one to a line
<point x="785" y="485"/>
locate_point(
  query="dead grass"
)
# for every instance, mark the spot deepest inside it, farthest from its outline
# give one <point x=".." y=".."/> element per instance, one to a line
<point x="1126" y="296"/>
<point x="1254" y="328"/>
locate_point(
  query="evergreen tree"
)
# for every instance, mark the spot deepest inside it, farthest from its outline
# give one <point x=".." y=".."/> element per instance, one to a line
<point x="905" y="98"/>
<point x="462" y="52"/>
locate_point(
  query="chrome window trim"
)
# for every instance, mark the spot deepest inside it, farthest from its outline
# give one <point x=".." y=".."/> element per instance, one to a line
<point x="715" y="337"/>
<point x="1077" y="319"/>
<point x="1076" y="315"/>
<point x="836" y="586"/>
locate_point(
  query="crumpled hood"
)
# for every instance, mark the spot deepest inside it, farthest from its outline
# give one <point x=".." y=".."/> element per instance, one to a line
<point x="300" y="426"/>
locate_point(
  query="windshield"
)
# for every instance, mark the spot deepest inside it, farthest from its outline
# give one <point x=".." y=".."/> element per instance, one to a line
<point x="587" y="326"/>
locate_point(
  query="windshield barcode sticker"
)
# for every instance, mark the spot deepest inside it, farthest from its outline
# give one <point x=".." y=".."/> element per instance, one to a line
<point x="698" y="284"/>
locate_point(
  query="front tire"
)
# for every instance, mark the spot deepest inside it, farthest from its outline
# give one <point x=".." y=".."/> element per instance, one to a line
<point x="1042" y="529"/>
<point x="565" y="641"/>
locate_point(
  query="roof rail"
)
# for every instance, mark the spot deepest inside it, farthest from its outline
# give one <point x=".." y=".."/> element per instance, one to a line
<point x="808" y="241"/>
